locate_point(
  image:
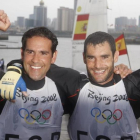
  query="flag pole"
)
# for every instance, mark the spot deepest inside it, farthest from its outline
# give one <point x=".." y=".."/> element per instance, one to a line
<point x="127" y="52"/>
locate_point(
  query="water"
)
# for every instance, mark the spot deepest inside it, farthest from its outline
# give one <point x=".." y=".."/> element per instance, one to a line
<point x="64" y="59"/>
<point x="64" y="49"/>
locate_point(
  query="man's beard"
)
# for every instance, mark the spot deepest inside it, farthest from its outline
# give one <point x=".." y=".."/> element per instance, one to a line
<point x="93" y="80"/>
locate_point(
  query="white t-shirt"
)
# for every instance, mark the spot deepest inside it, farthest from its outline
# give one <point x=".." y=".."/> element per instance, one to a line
<point x="36" y="117"/>
<point x="103" y="113"/>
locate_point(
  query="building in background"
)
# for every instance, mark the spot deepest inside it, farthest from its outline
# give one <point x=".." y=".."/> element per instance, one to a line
<point x="139" y="22"/>
<point x="48" y="22"/>
<point x="54" y="24"/>
<point x="29" y="23"/>
<point x="40" y="15"/>
<point x="125" y="24"/>
<point x="132" y="27"/>
<point x="120" y="23"/>
<point x="21" y="22"/>
<point x="31" y="16"/>
<point x="65" y="17"/>
<point x="132" y="22"/>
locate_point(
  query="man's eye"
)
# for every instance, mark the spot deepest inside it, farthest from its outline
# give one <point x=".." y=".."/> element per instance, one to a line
<point x="90" y="57"/>
<point x="104" y="57"/>
<point x="29" y="52"/>
<point x="44" y="53"/>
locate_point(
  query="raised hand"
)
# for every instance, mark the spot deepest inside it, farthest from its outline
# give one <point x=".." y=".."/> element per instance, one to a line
<point x="4" y="21"/>
<point x="123" y="70"/>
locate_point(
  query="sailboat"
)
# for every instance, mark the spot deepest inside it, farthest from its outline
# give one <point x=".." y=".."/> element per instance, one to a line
<point x="90" y="16"/>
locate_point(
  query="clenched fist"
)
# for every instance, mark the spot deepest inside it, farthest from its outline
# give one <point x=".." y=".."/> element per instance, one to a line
<point x="4" y="21"/>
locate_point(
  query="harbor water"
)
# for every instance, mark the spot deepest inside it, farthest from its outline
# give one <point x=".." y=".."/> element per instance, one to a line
<point x="10" y="50"/>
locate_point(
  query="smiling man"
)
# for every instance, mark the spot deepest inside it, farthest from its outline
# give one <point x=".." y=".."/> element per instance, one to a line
<point x="36" y="116"/>
<point x="37" y="54"/>
<point x="99" y="60"/>
<point x="107" y="106"/>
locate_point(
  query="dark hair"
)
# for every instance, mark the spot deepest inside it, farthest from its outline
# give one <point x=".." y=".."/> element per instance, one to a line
<point x="100" y="37"/>
<point x="41" y="32"/>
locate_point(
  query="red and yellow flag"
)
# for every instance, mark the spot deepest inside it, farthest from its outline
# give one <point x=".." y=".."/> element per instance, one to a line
<point x="120" y="45"/>
<point x="81" y="27"/>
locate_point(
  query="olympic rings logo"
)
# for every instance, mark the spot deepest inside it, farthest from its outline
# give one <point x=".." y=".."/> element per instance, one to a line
<point x="106" y="118"/>
<point x="35" y="119"/>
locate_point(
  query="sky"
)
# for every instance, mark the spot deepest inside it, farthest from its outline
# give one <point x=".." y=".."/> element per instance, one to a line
<point x="15" y="8"/>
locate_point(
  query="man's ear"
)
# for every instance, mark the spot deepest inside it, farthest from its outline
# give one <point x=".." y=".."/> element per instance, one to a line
<point x="84" y="58"/>
<point x="116" y="56"/>
<point x="54" y="57"/>
<point x="22" y="53"/>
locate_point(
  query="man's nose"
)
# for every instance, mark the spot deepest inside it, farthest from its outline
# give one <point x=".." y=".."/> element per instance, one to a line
<point x="98" y="63"/>
<point x="35" y="58"/>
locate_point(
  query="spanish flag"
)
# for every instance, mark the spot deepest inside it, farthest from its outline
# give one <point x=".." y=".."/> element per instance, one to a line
<point x="81" y="27"/>
<point x="120" y="45"/>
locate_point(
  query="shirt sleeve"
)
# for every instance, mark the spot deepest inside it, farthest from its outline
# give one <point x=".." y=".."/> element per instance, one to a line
<point x="13" y="62"/>
<point x="2" y="101"/>
<point x="132" y="85"/>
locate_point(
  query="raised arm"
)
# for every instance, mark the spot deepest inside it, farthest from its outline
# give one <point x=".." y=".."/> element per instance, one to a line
<point x="12" y="79"/>
<point x="4" y="21"/>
